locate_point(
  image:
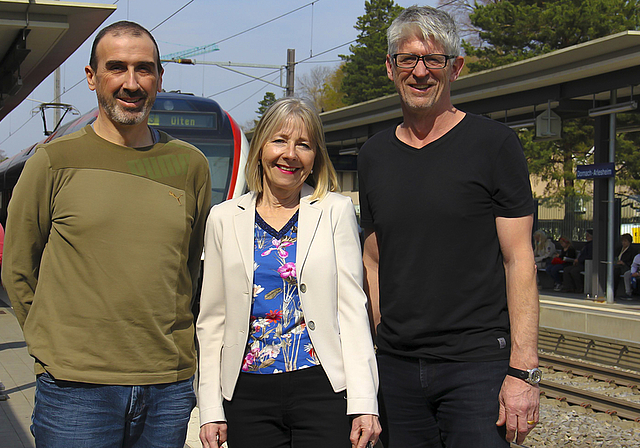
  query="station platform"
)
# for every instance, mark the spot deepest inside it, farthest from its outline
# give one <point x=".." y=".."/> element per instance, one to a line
<point x="569" y="312"/>
<point x="578" y="313"/>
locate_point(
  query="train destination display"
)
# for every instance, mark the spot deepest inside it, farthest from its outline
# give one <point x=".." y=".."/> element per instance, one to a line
<point x="195" y="120"/>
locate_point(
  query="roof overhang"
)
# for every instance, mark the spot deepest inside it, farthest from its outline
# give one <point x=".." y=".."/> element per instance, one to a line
<point x="587" y="71"/>
<point x="586" y="60"/>
<point x="36" y="37"/>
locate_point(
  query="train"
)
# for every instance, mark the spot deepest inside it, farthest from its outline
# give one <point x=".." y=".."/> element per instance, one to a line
<point x="199" y="121"/>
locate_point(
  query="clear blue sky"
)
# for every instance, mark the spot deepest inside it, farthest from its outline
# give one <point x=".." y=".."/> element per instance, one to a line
<point x="310" y="30"/>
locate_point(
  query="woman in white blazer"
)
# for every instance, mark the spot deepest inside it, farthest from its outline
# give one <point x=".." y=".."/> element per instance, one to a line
<point x="286" y="356"/>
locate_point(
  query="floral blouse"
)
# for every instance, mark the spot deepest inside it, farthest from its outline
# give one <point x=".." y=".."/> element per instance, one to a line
<point x="278" y="336"/>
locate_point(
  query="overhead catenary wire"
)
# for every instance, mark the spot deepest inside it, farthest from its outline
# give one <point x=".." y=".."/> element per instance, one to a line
<point x="165" y="20"/>
<point x="268" y="74"/>
<point x="312" y="56"/>
<point x="169" y="17"/>
<point x="243" y="84"/>
<point x="223" y="40"/>
<point x="14" y="132"/>
<point x="250" y="96"/>
<point x="267" y="22"/>
<point x="57" y="99"/>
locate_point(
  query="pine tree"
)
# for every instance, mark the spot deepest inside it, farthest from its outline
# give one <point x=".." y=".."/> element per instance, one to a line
<point x="365" y="75"/>
<point x="519" y="29"/>
<point x="513" y="30"/>
<point x="268" y="100"/>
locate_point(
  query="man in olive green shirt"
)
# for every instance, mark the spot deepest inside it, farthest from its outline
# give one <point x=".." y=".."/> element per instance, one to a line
<point x="101" y="261"/>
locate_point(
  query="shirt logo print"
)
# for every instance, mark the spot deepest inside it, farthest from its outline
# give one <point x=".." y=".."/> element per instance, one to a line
<point x="177" y="197"/>
<point x="161" y="166"/>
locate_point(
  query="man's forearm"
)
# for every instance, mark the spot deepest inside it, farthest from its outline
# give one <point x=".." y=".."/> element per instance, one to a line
<point x="522" y="300"/>
<point x="371" y="260"/>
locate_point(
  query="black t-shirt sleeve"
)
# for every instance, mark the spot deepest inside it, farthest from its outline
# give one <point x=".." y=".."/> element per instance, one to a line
<point x="511" y="193"/>
<point x="366" y="221"/>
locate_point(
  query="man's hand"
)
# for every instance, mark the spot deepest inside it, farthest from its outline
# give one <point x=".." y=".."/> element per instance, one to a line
<point x="213" y="435"/>
<point x="364" y="429"/>
<point x="519" y="408"/>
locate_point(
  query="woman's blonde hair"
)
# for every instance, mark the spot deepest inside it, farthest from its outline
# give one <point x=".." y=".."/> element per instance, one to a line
<point x="540" y="243"/>
<point x="323" y="176"/>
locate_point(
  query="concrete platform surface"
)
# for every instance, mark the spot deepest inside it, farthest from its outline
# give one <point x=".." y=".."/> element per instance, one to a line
<point x="580" y="314"/>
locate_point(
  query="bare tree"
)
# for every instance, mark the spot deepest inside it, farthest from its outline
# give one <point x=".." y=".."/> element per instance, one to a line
<point x="460" y="10"/>
<point x="311" y="85"/>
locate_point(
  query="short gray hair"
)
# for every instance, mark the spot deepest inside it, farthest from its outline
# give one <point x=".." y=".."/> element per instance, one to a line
<point x="425" y="22"/>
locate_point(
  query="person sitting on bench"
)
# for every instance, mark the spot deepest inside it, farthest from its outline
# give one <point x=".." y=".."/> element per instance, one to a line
<point x="572" y="281"/>
<point x="631" y="279"/>
<point x="562" y="260"/>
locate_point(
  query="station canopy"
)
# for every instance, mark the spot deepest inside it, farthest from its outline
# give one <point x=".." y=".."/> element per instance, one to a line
<point x="36" y="37"/>
<point x="569" y="82"/>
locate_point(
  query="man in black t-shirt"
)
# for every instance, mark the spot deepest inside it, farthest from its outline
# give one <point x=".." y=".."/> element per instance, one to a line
<point x="447" y="210"/>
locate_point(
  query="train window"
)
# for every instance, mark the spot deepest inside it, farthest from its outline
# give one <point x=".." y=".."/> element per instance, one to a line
<point x="219" y="155"/>
<point x="170" y="104"/>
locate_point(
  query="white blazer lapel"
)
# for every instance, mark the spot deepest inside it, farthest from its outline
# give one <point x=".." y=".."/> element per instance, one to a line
<point x="308" y="220"/>
<point x="244" y="221"/>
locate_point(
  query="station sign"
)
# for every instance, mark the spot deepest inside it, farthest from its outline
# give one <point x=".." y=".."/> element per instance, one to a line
<point x="175" y="119"/>
<point x="596" y="171"/>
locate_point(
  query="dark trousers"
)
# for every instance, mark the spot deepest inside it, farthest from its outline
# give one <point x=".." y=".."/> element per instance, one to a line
<point x="618" y="270"/>
<point x="554" y="271"/>
<point x="296" y="409"/>
<point x="436" y="405"/>
<point x="572" y="279"/>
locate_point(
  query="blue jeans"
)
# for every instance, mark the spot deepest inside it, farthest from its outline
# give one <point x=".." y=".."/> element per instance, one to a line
<point x="435" y="405"/>
<point x="78" y="415"/>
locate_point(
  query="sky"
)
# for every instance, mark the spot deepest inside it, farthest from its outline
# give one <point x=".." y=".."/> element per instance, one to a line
<point x="309" y="28"/>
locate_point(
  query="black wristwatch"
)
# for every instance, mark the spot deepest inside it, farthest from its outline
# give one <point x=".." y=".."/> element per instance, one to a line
<point x="532" y="376"/>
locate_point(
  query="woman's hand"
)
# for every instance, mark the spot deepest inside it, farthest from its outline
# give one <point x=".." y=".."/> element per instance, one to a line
<point x="213" y="435"/>
<point x="364" y="429"/>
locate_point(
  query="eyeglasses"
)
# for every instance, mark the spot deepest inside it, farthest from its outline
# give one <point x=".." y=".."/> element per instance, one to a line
<point x="431" y="61"/>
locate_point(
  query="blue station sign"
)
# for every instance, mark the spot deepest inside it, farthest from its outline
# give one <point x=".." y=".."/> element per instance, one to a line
<point x="596" y="171"/>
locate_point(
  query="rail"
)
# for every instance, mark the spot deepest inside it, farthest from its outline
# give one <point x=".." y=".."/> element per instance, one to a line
<point x="590" y="399"/>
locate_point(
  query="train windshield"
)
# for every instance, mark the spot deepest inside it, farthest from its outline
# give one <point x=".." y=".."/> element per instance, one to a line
<point x="201" y="129"/>
<point x="219" y="155"/>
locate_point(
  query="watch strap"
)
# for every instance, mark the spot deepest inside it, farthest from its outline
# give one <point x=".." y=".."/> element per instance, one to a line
<point x="522" y="374"/>
<point x="532" y="376"/>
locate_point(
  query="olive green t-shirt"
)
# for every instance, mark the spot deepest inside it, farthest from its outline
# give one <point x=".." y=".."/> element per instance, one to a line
<point x="102" y="251"/>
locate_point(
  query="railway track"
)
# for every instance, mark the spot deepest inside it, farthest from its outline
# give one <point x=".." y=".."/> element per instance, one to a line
<point x="590" y="389"/>
<point x="596" y="401"/>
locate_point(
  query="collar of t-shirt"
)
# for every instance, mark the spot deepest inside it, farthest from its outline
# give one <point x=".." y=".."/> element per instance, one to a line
<point x="155" y="136"/>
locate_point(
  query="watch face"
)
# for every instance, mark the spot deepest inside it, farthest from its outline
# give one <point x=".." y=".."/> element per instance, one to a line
<point x="535" y="375"/>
